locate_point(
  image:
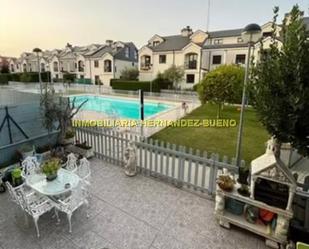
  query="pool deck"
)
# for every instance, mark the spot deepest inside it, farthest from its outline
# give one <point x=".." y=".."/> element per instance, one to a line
<point x="127" y="213"/>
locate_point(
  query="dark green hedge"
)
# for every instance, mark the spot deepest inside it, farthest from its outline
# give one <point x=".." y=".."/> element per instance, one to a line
<point x="69" y="77"/>
<point x="154" y="86"/>
<point x="24" y="77"/>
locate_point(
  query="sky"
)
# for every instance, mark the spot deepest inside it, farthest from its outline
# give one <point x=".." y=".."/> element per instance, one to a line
<point x="49" y="24"/>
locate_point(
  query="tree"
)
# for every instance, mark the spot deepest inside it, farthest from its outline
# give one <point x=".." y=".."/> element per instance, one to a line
<point x="174" y="74"/>
<point x="281" y="85"/>
<point x="222" y="85"/>
<point x="57" y="113"/>
<point x="129" y="74"/>
<point x="5" y="68"/>
<point x="161" y="82"/>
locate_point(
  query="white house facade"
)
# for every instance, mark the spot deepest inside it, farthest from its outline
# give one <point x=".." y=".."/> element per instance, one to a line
<point x="182" y="50"/>
<point x="95" y="63"/>
<point x="109" y="61"/>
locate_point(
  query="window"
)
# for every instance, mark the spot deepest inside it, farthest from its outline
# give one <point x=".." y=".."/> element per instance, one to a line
<point x="55" y="66"/>
<point x="107" y="66"/>
<point x="127" y="52"/>
<point x="80" y="66"/>
<point x="12" y="68"/>
<point x="96" y="63"/>
<point x="25" y="67"/>
<point x="191" y="61"/>
<point x="145" y="62"/>
<point x="266" y="34"/>
<point x="155" y="43"/>
<point x="218" y="41"/>
<point x="97" y="80"/>
<point x="190" y="78"/>
<point x="42" y="67"/>
<point x="216" y="59"/>
<point x="162" y="58"/>
<point x="75" y="64"/>
<point x="240" y="59"/>
<point x="240" y="40"/>
<point x="135" y="55"/>
<point x="81" y="77"/>
<point x="30" y="67"/>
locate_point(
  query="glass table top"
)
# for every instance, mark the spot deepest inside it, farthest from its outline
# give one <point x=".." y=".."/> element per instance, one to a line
<point x="65" y="182"/>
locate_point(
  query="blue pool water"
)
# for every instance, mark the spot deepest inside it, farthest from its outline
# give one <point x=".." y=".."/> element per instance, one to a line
<point x="122" y="108"/>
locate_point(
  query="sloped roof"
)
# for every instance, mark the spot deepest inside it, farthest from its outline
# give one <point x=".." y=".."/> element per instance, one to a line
<point x="175" y="42"/>
<point x="117" y="53"/>
<point x="225" y="33"/>
<point x="100" y="52"/>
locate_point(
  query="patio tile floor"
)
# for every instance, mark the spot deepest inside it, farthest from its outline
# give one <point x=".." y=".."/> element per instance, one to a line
<point x="126" y="213"/>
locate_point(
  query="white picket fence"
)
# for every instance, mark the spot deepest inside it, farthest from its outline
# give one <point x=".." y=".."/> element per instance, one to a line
<point x="176" y="164"/>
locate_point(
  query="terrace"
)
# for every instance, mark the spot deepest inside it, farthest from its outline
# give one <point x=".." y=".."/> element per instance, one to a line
<point x="125" y="212"/>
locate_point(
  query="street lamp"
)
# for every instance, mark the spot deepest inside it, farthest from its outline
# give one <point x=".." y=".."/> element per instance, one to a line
<point x="250" y="34"/>
<point x="38" y="52"/>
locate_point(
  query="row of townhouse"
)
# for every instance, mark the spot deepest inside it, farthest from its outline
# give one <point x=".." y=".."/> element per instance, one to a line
<point x="96" y="63"/>
<point x="198" y="52"/>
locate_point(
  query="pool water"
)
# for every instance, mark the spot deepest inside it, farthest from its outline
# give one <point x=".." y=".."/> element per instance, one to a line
<point x="119" y="107"/>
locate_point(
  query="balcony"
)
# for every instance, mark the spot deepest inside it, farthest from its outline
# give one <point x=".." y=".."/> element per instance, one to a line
<point x="126" y="213"/>
<point x="191" y="65"/>
<point x="145" y="66"/>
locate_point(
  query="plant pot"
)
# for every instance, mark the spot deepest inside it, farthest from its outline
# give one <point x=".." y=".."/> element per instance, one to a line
<point x="52" y="177"/>
<point x="17" y="181"/>
<point x="244" y="190"/>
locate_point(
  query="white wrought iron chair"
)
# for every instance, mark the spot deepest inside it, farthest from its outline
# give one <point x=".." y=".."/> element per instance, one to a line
<point x="70" y="204"/>
<point x="71" y="163"/>
<point x="30" y="166"/>
<point x="84" y="173"/>
<point x="31" y="203"/>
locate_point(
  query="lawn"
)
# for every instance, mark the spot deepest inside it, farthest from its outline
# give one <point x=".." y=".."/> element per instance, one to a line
<point x="219" y="139"/>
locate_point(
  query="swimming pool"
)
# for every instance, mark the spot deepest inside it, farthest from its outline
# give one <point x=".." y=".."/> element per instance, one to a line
<point x="119" y="107"/>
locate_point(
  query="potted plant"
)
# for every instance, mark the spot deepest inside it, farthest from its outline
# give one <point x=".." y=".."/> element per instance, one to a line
<point x="226" y="183"/>
<point x="69" y="137"/>
<point x="50" y="169"/>
<point x="16" y="177"/>
<point x="26" y="150"/>
<point x="83" y="149"/>
<point x="43" y="152"/>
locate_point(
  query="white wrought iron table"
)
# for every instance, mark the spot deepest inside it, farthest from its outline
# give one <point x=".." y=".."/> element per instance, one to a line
<point x="64" y="183"/>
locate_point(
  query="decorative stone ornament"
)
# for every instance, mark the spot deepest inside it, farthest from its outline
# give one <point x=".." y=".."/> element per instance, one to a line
<point x="130" y="160"/>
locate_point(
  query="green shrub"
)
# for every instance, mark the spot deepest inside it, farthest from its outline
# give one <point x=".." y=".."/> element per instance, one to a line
<point x="134" y="85"/>
<point x="24" y="77"/>
<point x="162" y="83"/>
<point x="69" y="77"/>
<point x="4" y="78"/>
<point x="129" y="74"/>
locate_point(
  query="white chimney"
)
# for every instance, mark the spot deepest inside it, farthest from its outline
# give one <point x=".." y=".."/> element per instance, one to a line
<point x="109" y="42"/>
<point x="187" y="31"/>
